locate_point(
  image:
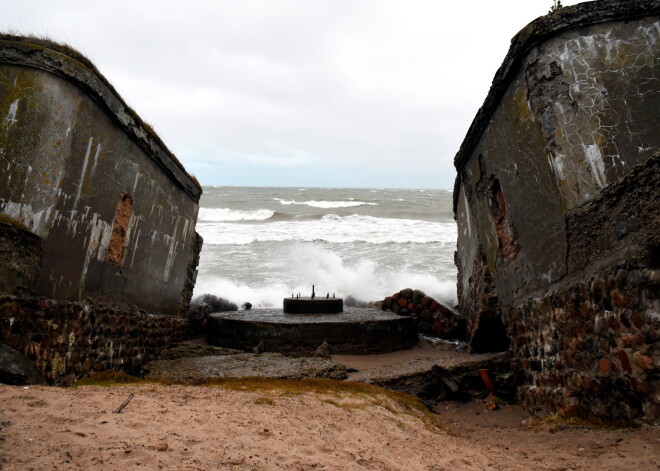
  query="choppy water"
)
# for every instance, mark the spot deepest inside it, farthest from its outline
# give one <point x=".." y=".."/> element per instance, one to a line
<point x="262" y="244"/>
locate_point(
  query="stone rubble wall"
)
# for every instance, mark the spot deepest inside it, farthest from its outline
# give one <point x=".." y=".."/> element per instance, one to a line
<point x="591" y="348"/>
<point x="593" y="342"/>
<point x="430" y="316"/>
<point x="20" y="259"/>
<point x="68" y="340"/>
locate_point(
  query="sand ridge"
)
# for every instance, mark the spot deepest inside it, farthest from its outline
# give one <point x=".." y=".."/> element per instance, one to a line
<point x="212" y="428"/>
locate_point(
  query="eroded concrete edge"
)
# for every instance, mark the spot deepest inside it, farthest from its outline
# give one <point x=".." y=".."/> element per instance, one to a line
<point x="540" y="30"/>
<point x="27" y="52"/>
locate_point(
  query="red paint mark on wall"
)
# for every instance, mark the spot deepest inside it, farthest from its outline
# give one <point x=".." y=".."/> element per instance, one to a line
<point x="505" y="232"/>
<point x="117" y="247"/>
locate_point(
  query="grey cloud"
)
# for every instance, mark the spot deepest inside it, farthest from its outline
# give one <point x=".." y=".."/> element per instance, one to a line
<point x="295" y="82"/>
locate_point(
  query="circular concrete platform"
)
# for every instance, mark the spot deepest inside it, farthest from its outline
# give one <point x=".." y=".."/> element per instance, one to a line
<point x="354" y="331"/>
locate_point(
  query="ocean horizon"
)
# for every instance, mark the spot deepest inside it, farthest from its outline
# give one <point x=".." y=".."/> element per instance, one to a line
<point x="262" y="244"/>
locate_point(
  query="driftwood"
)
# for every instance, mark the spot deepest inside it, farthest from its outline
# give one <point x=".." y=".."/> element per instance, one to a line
<point x="120" y="408"/>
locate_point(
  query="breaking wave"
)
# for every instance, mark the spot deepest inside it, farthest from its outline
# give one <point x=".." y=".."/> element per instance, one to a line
<point x="226" y="214"/>
<point x="362" y="279"/>
<point x="326" y="204"/>
<point x="331" y="228"/>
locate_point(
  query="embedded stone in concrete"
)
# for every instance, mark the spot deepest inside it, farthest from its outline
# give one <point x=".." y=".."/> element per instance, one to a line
<point x="313" y="305"/>
<point x="355" y="331"/>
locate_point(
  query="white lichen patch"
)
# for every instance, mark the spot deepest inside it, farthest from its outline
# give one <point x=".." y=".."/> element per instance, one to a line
<point x="596" y="165"/>
<point x="10" y="119"/>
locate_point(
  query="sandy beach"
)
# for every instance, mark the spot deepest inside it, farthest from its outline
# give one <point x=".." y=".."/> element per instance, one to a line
<point x="282" y="427"/>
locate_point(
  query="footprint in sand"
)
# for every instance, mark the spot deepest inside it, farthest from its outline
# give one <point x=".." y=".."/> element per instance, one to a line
<point x="37" y="403"/>
<point x="324" y="449"/>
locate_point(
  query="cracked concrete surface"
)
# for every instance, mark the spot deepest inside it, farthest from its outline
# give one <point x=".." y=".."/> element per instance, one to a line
<point x="573" y="112"/>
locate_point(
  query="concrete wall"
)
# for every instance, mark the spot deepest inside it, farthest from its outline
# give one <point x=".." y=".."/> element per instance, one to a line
<point x="544" y="209"/>
<point x="114" y="210"/>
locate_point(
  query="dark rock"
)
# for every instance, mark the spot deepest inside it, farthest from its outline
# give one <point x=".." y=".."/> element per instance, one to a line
<point x="260" y="347"/>
<point x="201" y="307"/>
<point x="433" y="317"/>
<point x="424" y="326"/>
<point x="323" y="351"/>
<point x="417" y="296"/>
<point x="213" y="303"/>
<point x="16" y="368"/>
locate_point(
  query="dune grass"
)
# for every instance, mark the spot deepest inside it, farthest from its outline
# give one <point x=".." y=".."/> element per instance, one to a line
<point x="339" y="391"/>
<point x="578" y="421"/>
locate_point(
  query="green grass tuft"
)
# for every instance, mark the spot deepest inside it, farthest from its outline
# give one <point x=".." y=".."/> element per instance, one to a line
<point x="372" y="395"/>
<point x="115" y="378"/>
<point x="263" y="400"/>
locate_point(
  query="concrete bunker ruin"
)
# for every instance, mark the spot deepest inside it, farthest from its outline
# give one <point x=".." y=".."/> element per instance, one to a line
<point x="98" y="250"/>
<point x="556" y="202"/>
<point x="305" y="323"/>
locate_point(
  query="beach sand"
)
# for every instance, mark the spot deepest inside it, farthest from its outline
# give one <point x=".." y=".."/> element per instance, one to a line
<point x="215" y="428"/>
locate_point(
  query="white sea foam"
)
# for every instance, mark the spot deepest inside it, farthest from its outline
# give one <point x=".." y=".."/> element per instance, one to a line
<point x="226" y="214"/>
<point x="331" y="228"/>
<point x="361" y="279"/>
<point x="326" y="204"/>
<point x="239" y="293"/>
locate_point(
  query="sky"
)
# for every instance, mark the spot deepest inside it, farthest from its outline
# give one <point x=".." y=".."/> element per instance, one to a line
<point x="329" y="93"/>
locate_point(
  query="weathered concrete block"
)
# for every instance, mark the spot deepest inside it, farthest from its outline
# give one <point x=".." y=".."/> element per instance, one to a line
<point x="556" y="202"/>
<point x="114" y="209"/>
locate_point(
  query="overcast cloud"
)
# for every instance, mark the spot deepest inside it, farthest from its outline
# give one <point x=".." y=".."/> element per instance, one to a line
<point x="296" y="93"/>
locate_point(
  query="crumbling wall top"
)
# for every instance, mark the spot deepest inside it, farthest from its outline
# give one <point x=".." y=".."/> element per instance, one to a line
<point x="66" y="62"/>
<point x="539" y="30"/>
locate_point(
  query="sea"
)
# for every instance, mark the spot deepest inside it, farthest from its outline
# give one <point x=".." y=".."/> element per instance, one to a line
<point x="264" y="244"/>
